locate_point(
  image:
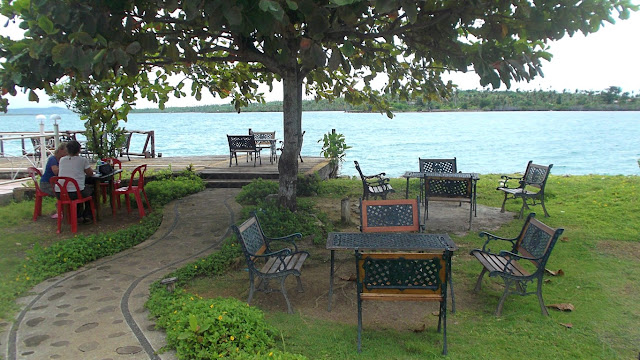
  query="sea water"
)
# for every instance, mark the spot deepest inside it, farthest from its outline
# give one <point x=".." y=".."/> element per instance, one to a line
<point x="484" y="142"/>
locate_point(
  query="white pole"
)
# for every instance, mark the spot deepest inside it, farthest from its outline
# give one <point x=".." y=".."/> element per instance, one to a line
<point x="43" y="145"/>
<point x="56" y="136"/>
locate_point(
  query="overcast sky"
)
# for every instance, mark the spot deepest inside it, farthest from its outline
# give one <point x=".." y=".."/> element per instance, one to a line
<point x="609" y="57"/>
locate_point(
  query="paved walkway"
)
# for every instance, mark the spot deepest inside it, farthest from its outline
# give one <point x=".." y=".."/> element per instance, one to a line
<point x="97" y="311"/>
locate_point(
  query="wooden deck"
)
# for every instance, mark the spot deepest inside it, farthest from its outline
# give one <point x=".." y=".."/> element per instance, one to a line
<point x="214" y="169"/>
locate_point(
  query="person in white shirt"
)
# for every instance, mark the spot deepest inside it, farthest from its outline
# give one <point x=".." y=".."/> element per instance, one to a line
<point x="77" y="167"/>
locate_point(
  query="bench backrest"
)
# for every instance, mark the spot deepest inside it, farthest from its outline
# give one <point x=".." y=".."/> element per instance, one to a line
<point x="362" y="176"/>
<point x="267" y="135"/>
<point x="241" y="142"/>
<point x="251" y="237"/>
<point x="536" y="175"/>
<point x="438" y="165"/>
<point x="536" y="240"/>
<point x="445" y="187"/>
<point x="402" y="274"/>
<point x="390" y="215"/>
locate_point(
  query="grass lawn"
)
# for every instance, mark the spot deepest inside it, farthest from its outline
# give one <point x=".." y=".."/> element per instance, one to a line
<point x="599" y="254"/>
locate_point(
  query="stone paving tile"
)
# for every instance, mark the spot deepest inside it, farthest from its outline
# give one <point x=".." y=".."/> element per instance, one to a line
<point x="97" y="312"/>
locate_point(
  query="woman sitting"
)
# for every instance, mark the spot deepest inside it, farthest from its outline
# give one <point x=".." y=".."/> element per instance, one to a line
<point x="77" y="167"/>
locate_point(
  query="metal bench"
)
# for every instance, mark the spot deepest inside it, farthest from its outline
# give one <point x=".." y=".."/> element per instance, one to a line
<point x="455" y="188"/>
<point x="535" y="242"/>
<point x="243" y="144"/>
<point x="265" y="262"/>
<point x="535" y="176"/>
<point x="374" y="185"/>
<point x="403" y="277"/>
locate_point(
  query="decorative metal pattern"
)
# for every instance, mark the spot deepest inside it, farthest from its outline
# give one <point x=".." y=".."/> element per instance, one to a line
<point x="448" y="188"/>
<point x="401" y="273"/>
<point x="535" y="241"/>
<point x="252" y="238"/>
<point x="459" y="175"/>
<point x="438" y="165"/>
<point x="536" y="175"/>
<point x="389" y="215"/>
<point x="390" y="241"/>
<point x="239" y="142"/>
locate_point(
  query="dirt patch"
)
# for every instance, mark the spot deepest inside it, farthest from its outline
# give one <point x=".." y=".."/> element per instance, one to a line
<point x="620" y="249"/>
<point x="108" y="223"/>
<point x="313" y="302"/>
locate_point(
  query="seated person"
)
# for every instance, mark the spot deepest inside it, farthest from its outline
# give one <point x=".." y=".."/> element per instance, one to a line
<point x="51" y="169"/>
<point x="77" y="167"/>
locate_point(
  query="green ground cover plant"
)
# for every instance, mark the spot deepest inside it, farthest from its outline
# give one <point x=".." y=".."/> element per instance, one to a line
<point x="30" y="258"/>
<point x="599" y="254"/>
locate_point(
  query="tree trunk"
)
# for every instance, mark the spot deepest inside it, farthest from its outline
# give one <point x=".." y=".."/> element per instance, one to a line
<point x="292" y="119"/>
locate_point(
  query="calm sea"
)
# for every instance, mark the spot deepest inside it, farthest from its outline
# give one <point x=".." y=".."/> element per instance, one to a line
<point x="483" y="142"/>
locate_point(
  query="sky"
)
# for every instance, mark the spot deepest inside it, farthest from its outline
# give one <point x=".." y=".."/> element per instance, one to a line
<point x="606" y="58"/>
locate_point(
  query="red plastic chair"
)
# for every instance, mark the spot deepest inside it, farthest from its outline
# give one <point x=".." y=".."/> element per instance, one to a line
<point x="135" y="190"/>
<point x="60" y="183"/>
<point x="37" y="211"/>
<point x="117" y="179"/>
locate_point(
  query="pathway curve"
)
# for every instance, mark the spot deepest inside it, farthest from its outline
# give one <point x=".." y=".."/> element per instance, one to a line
<point x="96" y="312"/>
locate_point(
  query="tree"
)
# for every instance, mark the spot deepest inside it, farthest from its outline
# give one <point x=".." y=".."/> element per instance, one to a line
<point x="328" y="48"/>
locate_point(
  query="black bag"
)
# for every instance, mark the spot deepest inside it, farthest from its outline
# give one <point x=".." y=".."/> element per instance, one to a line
<point x="105" y="169"/>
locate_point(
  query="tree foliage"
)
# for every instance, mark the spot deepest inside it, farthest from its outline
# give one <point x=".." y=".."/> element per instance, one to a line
<point x="329" y="48"/>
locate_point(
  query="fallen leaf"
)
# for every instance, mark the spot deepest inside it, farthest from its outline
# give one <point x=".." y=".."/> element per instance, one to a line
<point x="420" y="329"/>
<point x="562" y="307"/>
<point x="564" y="239"/>
<point x="560" y="272"/>
<point x="547" y="280"/>
<point x="567" y="325"/>
<point x="435" y="313"/>
<point x="348" y="278"/>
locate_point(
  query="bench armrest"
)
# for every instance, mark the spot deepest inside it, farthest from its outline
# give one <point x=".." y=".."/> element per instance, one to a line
<point x="514" y="256"/>
<point x="491" y="237"/>
<point x="289" y="239"/>
<point x="505" y="179"/>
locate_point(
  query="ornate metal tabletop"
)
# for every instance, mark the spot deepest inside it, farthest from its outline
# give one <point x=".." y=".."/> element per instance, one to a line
<point x="460" y="175"/>
<point x="389" y="241"/>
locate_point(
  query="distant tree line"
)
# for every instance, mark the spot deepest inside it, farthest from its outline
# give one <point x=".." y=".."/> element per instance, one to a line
<point x="610" y="99"/>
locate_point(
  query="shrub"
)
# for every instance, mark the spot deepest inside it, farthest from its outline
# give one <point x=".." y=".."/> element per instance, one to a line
<point x="255" y="192"/>
<point x="308" y="185"/>
<point x="165" y="191"/>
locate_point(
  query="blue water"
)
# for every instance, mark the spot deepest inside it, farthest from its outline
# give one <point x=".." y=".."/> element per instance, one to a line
<point x="484" y="142"/>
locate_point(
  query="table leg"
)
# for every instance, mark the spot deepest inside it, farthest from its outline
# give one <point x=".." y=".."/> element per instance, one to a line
<point x="331" y="281"/>
<point x="406" y="196"/>
<point x="453" y="297"/>
<point x="96" y="197"/>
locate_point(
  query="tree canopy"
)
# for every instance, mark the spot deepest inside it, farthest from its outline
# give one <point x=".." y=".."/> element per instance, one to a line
<point x="328" y="48"/>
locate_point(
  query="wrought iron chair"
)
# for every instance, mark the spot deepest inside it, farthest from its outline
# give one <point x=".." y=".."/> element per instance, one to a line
<point x="61" y="183"/>
<point x="535" y="242"/>
<point x="535" y="176"/>
<point x="136" y="190"/>
<point x="243" y="144"/>
<point x="37" y="210"/>
<point x="267" y="262"/>
<point x="374" y="185"/>
<point x="403" y="277"/>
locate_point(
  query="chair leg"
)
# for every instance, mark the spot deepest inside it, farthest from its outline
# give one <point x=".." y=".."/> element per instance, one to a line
<point x="139" y="204"/>
<point x="444" y="333"/>
<point x="540" y="300"/>
<point x="503" y="203"/>
<point x="546" y="214"/>
<point x="359" y="324"/>
<point x="93" y="211"/>
<point x="251" y="288"/>
<point x="300" y="289"/>
<point x="146" y="199"/>
<point x="59" y="211"/>
<point x="524" y="205"/>
<point x="284" y="293"/>
<point x="479" y="281"/>
<point x="37" y="210"/>
<point x="507" y="287"/>
<point x="73" y="209"/>
<point x="128" y="203"/>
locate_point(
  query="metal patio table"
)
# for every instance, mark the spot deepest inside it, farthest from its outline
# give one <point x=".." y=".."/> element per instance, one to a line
<point x="389" y="242"/>
<point x="435" y="175"/>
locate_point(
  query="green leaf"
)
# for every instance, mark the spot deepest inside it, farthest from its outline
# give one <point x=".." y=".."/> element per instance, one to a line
<point x="33" y="96"/>
<point x="133" y="48"/>
<point x="344" y="2"/>
<point x="47" y="25"/>
<point x="233" y="15"/>
<point x="347" y="49"/>
<point x="334" y="60"/>
<point x="62" y="54"/>
<point x="81" y="37"/>
<point x="292" y="5"/>
<point x="318" y="55"/>
<point x="272" y="7"/>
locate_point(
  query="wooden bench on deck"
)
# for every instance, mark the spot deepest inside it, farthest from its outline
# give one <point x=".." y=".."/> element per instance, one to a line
<point x="535" y="242"/>
<point x="403" y="277"/>
<point x="265" y="262"/>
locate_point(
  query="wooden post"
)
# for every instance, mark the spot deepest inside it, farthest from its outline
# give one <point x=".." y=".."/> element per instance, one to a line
<point x="345" y="211"/>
